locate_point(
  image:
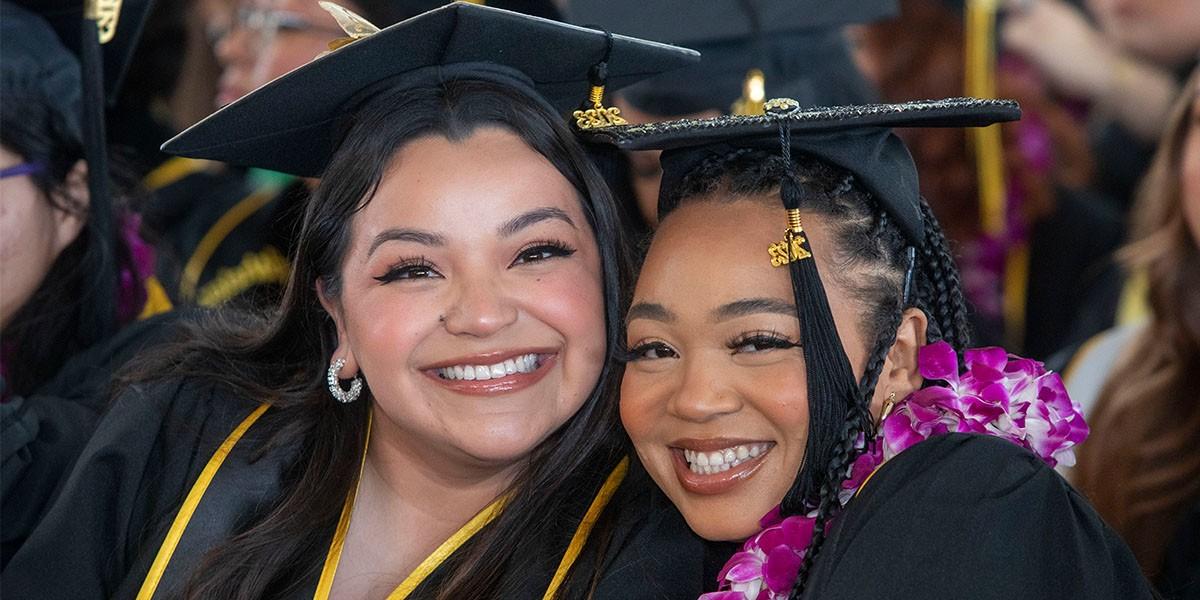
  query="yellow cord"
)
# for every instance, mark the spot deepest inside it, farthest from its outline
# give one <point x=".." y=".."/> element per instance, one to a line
<point x="175" y="533"/>
<point x="585" y="527"/>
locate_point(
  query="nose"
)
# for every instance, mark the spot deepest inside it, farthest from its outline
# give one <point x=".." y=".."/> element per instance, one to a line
<point x="479" y="308"/>
<point x="232" y="47"/>
<point x="703" y="395"/>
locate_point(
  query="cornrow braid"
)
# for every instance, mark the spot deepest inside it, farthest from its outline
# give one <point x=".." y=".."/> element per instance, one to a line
<point x="940" y="289"/>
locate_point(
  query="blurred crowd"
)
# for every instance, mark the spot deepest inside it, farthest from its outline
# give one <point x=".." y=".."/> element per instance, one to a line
<point x="1090" y="260"/>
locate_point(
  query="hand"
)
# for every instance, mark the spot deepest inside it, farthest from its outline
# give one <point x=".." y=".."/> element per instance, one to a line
<point x="1056" y="37"/>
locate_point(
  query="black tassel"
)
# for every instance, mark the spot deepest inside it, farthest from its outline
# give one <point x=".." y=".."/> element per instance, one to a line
<point x="832" y="389"/>
<point x="100" y="322"/>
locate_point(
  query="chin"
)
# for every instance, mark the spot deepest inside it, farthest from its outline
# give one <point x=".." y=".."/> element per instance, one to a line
<point x="719" y="526"/>
<point x="504" y="446"/>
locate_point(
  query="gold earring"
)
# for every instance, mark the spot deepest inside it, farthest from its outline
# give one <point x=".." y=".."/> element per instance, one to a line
<point x="887" y="407"/>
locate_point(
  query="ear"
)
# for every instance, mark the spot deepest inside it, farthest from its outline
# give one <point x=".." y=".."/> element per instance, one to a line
<point x="900" y="375"/>
<point x="343" y="350"/>
<point x="72" y="205"/>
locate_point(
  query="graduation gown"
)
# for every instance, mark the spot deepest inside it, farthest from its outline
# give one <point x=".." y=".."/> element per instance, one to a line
<point x="119" y="504"/>
<point x="44" y="432"/>
<point x="221" y="235"/>
<point x="970" y="516"/>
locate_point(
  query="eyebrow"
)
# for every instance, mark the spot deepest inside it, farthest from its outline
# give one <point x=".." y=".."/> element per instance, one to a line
<point x="418" y="236"/>
<point x="650" y="310"/>
<point x="750" y="306"/>
<point x="537" y="215"/>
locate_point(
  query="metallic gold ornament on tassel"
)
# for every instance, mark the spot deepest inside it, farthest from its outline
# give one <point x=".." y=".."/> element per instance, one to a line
<point x="105" y="13"/>
<point x="598" y="115"/>
<point x="754" y="94"/>
<point x="791" y="249"/>
<point x="355" y="26"/>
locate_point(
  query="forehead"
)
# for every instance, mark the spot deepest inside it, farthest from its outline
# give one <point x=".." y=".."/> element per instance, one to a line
<point x="434" y="182"/>
<point x="708" y="253"/>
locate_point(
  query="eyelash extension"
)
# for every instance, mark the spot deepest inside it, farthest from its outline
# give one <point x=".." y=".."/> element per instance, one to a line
<point x="560" y="248"/>
<point x="395" y="271"/>
<point x="624" y="355"/>
<point x="764" y="340"/>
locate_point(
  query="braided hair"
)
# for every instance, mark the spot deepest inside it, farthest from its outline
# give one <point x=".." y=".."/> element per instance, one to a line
<point x="878" y="265"/>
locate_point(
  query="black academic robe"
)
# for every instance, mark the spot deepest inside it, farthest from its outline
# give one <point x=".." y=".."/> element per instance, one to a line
<point x="968" y="516"/>
<point x="45" y="432"/>
<point x="1179" y="578"/>
<point x="100" y="537"/>
<point x="220" y="235"/>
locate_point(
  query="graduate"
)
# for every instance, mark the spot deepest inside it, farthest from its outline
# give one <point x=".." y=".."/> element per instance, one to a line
<point x="794" y="379"/>
<point x="429" y="412"/>
<point x="78" y="288"/>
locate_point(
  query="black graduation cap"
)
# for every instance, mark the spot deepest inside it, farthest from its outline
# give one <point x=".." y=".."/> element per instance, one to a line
<point x="856" y="138"/>
<point x="121" y="27"/>
<point x="290" y="124"/>
<point x="796" y="45"/>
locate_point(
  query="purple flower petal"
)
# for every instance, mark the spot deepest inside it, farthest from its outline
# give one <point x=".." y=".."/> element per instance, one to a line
<point x="938" y="361"/>
<point x="780" y="569"/>
<point x="724" y="596"/>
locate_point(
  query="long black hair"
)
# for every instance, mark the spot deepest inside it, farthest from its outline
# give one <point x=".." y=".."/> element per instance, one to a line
<point x="282" y="357"/>
<point x="873" y="259"/>
<point x="64" y="315"/>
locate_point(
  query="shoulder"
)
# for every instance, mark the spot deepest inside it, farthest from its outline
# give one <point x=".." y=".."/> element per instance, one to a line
<point x="652" y="553"/>
<point x="127" y="484"/>
<point x="1087" y="370"/>
<point x="968" y="515"/>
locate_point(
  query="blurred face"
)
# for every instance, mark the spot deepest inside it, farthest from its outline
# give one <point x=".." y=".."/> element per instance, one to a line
<point x="1164" y="31"/>
<point x="268" y="38"/>
<point x="32" y="234"/>
<point x="647" y="172"/>
<point x="1190" y="169"/>
<point x="715" y="399"/>
<point x="472" y="301"/>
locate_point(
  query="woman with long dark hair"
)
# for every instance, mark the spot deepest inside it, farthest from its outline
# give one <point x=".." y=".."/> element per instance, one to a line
<point x="1142" y="467"/>
<point x="76" y="275"/>
<point x="782" y="384"/>
<point x="429" y="413"/>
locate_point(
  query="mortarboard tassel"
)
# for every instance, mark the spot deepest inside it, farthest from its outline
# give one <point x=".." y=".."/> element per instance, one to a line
<point x="832" y="389"/>
<point x="100" y="322"/>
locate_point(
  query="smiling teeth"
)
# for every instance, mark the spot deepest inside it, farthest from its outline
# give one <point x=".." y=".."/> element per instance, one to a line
<point x="707" y="463"/>
<point x="526" y="363"/>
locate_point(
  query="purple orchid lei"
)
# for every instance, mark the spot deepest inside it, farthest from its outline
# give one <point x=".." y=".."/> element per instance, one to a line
<point x="1009" y="397"/>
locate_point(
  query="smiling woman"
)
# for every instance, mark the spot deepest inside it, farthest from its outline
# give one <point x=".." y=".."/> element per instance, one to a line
<point x="785" y="392"/>
<point x="461" y="267"/>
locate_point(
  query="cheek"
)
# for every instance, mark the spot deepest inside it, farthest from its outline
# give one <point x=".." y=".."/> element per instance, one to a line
<point x="27" y="235"/>
<point x="1190" y="183"/>
<point x="640" y="409"/>
<point x="383" y="333"/>
<point x="572" y="304"/>
<point x="287" y="52"/>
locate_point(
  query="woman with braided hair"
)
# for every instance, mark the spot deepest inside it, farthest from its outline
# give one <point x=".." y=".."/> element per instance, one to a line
<point x="813" y="377"/>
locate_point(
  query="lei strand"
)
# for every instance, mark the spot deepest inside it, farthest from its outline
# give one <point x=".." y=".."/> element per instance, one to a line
<point x="997" y="394"/>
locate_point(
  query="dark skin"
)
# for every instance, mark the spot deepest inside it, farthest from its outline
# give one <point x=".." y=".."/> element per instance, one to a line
<point x="718" y="362"/>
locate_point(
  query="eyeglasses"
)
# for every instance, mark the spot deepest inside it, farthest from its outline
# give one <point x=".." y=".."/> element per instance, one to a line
<point x="267" y="22"/>
<point x="19" y="169"/>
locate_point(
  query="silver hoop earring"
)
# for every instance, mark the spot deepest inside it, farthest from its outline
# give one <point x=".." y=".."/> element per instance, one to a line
<point x="335" y="385"/>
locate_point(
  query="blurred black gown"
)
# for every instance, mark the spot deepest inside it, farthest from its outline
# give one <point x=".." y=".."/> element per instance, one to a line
<point x="99" y="538"/>
<point x="972" y="516"/>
